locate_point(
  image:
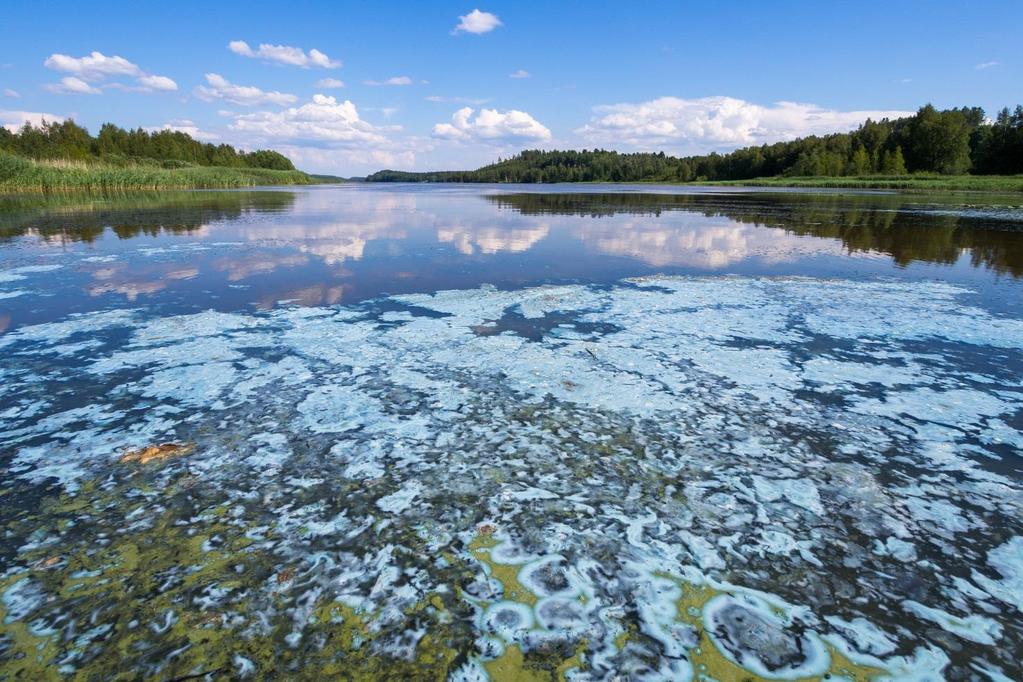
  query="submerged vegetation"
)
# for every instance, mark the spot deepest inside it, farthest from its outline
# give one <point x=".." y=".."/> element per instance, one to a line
<point x="946" y="143"/>
<point x="64" y="156"/>
<point x="401" y="497"/>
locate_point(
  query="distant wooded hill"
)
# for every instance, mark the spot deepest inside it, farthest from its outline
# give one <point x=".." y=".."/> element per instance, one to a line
<point x="949" y="142"/>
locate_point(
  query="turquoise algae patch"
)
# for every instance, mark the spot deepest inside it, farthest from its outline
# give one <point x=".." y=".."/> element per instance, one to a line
<point x="734" y="479"/>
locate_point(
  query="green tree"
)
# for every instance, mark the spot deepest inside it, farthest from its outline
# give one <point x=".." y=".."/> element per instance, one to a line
<point x="940" y="141"/>
<point x="859" y="164"/>
<point x="893" y="163"/>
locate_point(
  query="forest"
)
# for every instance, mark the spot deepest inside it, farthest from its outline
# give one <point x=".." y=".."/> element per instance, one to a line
<point x="951" y="142"/>
<point x="115" y="146"/>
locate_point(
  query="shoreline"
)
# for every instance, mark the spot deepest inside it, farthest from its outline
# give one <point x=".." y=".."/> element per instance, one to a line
<point x="1002" y="184"/>
<point x="22" y="176"/>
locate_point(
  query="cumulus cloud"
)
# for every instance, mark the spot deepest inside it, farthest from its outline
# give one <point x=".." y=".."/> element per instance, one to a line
<point x="491" y="124"/>
<point x="219" y="87"/>
<point x="13" y="94"/>
<point x="72" y="85"/>
<point x="477" y="22"/>
<point x="393" y="80"/>
<point x="184" y="125"/>
<point x="325" y="134"/>
<point x="330" y="83"/>
<point x="93" y="66"/>
<point x="284" y="54"/>
<point x="97" y="68"/>
<point x="323" y="119"/>
<point x="158" y="83"/>
<point x="986" y="65"/>
<point x="711" y="122"/>
<point x="12" y="120"/>
<point x="521" y="73"/>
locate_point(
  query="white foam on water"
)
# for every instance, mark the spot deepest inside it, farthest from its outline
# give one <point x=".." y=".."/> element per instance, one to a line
<point x="676" y="444"/>
<point x="974" y="628"/>
<point x="399" y="501"/>
<point x="1007" y="561"/>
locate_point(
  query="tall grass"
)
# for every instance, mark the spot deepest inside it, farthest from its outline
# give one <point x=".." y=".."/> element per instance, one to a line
<point x="22" y="175"/>
<point x="920" y="182"/>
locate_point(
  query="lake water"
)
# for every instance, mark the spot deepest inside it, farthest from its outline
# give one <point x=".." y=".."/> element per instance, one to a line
<point x="433" y="431"/>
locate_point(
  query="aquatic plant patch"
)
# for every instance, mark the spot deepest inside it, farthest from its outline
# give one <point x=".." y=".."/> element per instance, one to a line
<point x="667" y="478"/>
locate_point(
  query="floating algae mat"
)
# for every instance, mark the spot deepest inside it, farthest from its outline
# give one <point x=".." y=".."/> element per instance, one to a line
<point x="665" y="478"/>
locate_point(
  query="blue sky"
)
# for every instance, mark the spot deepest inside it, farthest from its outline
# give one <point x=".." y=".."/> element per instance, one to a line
<point x="452" y="85"/>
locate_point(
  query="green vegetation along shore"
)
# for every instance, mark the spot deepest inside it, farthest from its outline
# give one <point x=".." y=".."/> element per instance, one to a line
<point x="24" y="175"/>
<point x="960" y="146"/>
<point x="55" y="157"/>
<point x="917" y="182"/>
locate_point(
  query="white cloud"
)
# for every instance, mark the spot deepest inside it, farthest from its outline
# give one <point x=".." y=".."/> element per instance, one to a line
<point x="96" y="67"/>
<point x="323" y="119"/>
<point x="986" y="65"/>
<point x="393" y="80"/>
<point x="157" y="83"/>
<point x="93" y="66"/>
<point x="72" y="85"/>
<point x="521" y="73"/>
<point x="474" y="101"/>
<point x="284" y="54"/>
<point x="12" y="120"/>
<point x="249" y="95"/>
<point x="491" y="124"/>
<point x="477" y="22"/>
<point x="325" y="134"/>
<point x="11" y="93"/>
<point x="713" y="122"/>
<point x="347" y="161"/>
<point x="330" y="83"/>
<point x="183" y="125"/>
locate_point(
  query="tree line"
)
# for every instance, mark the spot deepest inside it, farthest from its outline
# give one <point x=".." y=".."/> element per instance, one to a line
<point x="67" y="140"/>
<point x="949" y="142"/>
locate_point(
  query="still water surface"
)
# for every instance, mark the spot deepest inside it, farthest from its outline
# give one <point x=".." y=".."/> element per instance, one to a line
<point x="467" y="432"/>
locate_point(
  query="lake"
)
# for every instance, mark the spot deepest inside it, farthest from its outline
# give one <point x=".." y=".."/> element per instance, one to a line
<point x="512" y="432"/>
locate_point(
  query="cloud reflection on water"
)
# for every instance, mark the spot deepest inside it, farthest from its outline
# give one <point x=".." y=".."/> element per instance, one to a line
<point x="321" y="245"/>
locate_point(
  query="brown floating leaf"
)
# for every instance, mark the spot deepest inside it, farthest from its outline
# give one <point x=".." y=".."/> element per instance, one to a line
<point x="157" y="452"/>
<point x="49" y="562"/>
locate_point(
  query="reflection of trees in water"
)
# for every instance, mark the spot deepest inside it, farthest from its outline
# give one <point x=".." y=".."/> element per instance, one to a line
<point x="886" y="223"/>
<point x="78" y="218"/>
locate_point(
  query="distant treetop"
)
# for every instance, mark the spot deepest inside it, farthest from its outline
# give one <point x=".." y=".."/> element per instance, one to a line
<point x="951" y="142"/>
<point x="68" y="140"/>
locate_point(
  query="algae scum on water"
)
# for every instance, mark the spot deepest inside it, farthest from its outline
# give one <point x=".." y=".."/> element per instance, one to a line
<point x="669" y="478"/>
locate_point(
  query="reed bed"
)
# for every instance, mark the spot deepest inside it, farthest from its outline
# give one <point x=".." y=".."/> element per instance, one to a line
<point x="22" y="175"/>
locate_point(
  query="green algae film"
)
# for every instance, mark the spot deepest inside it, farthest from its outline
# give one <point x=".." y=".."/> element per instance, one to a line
<point x="380" y="491"/>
